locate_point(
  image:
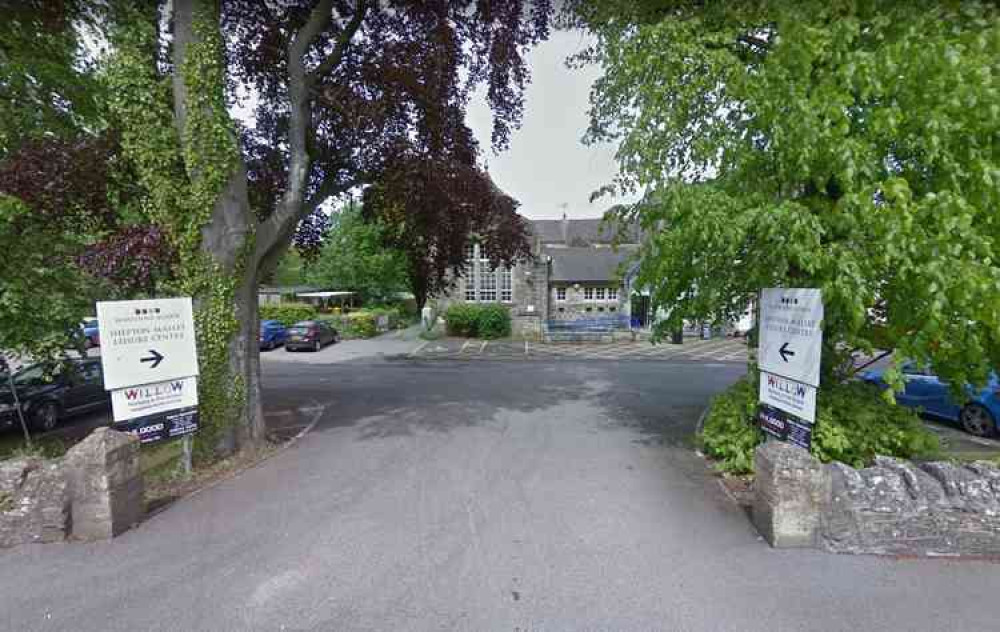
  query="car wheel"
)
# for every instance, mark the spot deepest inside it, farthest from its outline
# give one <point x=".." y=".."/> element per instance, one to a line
<point x="45" y="417"/>
<point x="977" y="420"/>
<point x="317" y="346"/>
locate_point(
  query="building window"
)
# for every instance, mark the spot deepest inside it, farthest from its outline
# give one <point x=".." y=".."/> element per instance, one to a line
<point x="588" y="293"/>
<point x="482" y="281"/>
<point x="600" y="293"/>
<point x="487" y="283"/>
<point x="612" y="309"/>
<point x="600" y="309"/>
<point x="560" y="294"/>
<point x="506" y="285"/>
<point x="470" y="281"/>
<point x="612" y="294"/>
<point x="590" y="309"/>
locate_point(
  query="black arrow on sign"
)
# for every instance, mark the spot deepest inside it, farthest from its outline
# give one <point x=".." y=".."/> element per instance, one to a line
<point x="784" y="351"/>
<point x="156" y="358"/>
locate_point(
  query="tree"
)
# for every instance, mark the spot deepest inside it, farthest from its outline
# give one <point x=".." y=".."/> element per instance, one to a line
<point x="843" y="145"/>
<point x="342" y="90"/>
<point x="47" y="86"/>
<point x="68" y="209"/>
<point x="432" y="208"/>
<point x="47" y="121"/>
<point x="353" y="258"/>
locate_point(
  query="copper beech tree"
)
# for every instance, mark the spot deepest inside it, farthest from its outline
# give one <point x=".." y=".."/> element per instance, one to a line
<point x="335" y="97"/>
<point x="342" y="93"/>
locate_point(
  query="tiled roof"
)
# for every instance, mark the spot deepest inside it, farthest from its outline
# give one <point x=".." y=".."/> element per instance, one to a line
<point x="580" y="232"/>
<point x="587" y="264"/>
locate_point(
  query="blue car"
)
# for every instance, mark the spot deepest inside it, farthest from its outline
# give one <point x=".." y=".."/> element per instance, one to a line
<point x="272" y="334"/>
<point x="978" y="414"/>
<point x="91" y="333"/>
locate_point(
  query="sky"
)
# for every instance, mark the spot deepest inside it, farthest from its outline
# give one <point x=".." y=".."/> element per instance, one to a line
<point x="547" y="168"/>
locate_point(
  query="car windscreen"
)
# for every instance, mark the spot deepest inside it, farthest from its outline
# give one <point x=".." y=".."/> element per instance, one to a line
<point x="33" y="375"/>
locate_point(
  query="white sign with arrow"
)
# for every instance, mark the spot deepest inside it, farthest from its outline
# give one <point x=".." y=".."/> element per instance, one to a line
<point x="146" y="341"/>
<point x="791" y="333"/>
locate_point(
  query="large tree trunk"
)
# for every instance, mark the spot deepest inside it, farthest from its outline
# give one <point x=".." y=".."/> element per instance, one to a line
<point x="225" y="240"/>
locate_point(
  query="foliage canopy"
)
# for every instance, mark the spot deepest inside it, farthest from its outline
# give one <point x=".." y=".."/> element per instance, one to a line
<point x="353" y="258"/>
<point x="849" y="145"/>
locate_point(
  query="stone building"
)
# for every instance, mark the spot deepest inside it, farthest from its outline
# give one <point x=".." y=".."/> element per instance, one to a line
<point x="575" y="273"/>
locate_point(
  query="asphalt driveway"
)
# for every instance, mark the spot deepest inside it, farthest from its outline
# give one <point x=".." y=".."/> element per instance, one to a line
<point x="480" y="496"/>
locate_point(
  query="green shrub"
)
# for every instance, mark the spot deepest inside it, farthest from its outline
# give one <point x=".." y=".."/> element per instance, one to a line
<point x="492" y="321"/>
<point x="287" y="313"/>
<point x="460" y="319"/>
<point x="853" y="425"/>
<point x="730" y="433"/>
<point x="361" y="324"/>
<point x="478" y="321"/>
<point x="352" y="325"/>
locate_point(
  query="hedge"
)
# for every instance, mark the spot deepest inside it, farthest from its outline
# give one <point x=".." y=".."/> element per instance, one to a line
<point x="360" y="324"/>
<point x="287" y="313"/>
<point x="478" y="321"/>
<point x="854" y="423"/>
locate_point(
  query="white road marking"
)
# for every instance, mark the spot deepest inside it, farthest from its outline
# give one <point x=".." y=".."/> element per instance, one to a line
<point x="419" y="348"/>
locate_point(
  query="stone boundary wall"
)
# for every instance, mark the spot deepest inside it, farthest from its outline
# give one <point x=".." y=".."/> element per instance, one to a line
<point x="94" y="492"/>
<point x="894" y="507"/>
<point x="34" y="502"/>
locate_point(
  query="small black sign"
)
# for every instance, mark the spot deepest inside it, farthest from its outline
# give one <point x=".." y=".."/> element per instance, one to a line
<point x="799" y="434"/>
<point x="165" y="425"/>
<point x="784" y="426"/>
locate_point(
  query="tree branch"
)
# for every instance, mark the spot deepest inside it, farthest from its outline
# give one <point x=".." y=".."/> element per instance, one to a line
<point x="333" y="59"/>
<point x="275" y="229"/>
<point x="859" y="369"/>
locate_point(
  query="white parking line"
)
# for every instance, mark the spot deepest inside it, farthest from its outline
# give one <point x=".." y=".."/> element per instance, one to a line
<point x="419" y="348"/>
<point x="703" y="348"/>
<point x="483" y="347"/>
<point x="464" y="345"/>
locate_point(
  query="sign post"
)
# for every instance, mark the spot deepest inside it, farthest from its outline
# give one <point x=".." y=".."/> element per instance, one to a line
<point x="150" y="364"/>
<point x="789" y="353"/>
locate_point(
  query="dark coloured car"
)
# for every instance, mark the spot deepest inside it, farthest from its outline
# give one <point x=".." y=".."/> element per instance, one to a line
<point x="311" y="335"/>
<point x="50" y="393"/>
<point x="272" y="334"/>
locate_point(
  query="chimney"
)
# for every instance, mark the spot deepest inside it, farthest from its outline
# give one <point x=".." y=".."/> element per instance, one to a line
<point x="565" y="229"/>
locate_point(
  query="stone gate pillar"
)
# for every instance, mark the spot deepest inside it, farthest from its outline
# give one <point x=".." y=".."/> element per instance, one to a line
<point x="105" y="483"/>
<point x="791" y="491"/>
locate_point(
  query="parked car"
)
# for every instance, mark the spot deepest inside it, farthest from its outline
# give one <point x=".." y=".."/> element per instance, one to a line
<point x="91" y="333"/>
<point x="50" y="393"/>
<point x="978" y="414"/>
<point x="311" y="335"/>
<point x="272" y="334"/>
